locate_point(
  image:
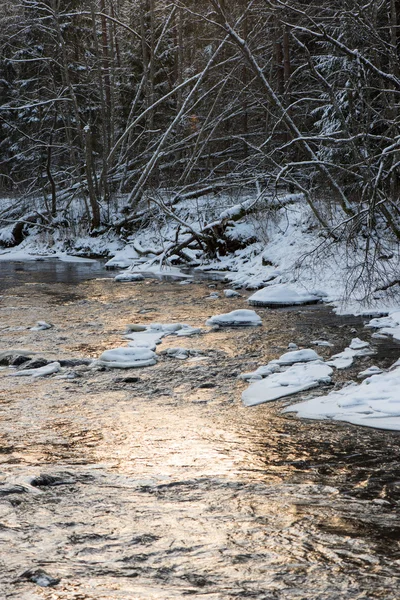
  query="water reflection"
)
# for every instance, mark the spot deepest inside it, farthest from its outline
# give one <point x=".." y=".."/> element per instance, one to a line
<point x="162" y="488"/>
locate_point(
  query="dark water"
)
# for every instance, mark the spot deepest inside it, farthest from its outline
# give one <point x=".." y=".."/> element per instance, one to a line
<point x="158" y="484"/>
<point x="49" y="271"/>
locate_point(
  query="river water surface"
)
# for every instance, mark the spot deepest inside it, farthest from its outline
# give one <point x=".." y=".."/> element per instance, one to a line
<point x="157" y="483"/>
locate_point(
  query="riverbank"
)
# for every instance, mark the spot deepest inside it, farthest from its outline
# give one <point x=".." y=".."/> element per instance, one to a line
<point x="165" y="485"/>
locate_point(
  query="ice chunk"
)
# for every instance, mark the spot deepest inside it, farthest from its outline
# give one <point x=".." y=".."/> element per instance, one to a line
<point x="282" y="295"/>
<point x="49" y="369"/>
<point x="373" y="403"/>
<point x="129" y="277"/>
<point x="128" y="358"/>
<point x="289" y="358"/>
<point x="236" y="318"/>
<point x="297" y="378"/>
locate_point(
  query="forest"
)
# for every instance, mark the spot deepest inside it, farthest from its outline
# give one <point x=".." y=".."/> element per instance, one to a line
<point x="112" y="110"/>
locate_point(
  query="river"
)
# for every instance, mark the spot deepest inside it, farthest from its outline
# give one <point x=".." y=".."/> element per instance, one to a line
<point x="157" y="483"/>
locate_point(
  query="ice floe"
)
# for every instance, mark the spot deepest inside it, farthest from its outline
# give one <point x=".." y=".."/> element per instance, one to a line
<point x="49" y="369"/>
<point x="282" y="295"/>
<point x="297" y="378"/>
<point x="236" y="318"/>
<point x="373" y="403"/>
<point x="345" y="359"/>
<point x="127" y="358"/>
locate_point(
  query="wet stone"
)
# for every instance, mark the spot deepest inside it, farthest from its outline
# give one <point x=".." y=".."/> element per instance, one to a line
<point x="36" y="363"/>
<point x="40" y="577"/>
<point x="45" y="480"/>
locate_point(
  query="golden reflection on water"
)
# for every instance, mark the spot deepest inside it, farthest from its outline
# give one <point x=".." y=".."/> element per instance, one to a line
<point x="179" y="490"/>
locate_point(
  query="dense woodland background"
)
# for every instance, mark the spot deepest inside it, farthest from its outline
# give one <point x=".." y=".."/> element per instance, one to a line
<point x="155" y="100"/>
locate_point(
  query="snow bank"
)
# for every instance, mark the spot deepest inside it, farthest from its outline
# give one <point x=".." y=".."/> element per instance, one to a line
<point x="236" y="318"/>
<point x="128" y="358"/>
<point x="298" y="378"/>
<point x="282" y="295"/>
<point x="373" y="403"/>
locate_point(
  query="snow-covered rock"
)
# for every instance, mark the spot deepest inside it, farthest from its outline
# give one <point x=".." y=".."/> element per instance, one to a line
<point x="180" y="353"/>
<point x="357" y="344"/>
<point x="127" y="358"/>
<point x="373" y="403"/>
<point x="282" y="295"/>
<point x="289" y="358"/>
<point x="187" y="331"/>
<point x="41" y="326"/>
<point x="389" y="325"/>
<point x="322" y="343"/>
<point x="369" y="372"/>
<point x="297" y="378"/>
<point x="231" y="294"/>
<point x="49" y="369"/>
<point x="236" y="318"/>
<point x="344" y="360"/>
<point x="261" y="372"/>
<point x="129" y="277"/>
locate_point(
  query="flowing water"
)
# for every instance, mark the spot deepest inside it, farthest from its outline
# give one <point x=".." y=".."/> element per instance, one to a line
<point x="158" y="484"/>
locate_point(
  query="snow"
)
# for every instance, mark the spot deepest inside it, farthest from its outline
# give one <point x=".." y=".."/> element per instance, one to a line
<point x="297" y="378"/>
<point x="236" y="318"/>
<point x="373" y="403"/>
<point x="282" y="295"/>
<point x="289" y="358"/>
<point x="345" y="359"/>
<point x="129" y="277"/>
<point x="49" y="369"/>
<point x="127" y="358"/>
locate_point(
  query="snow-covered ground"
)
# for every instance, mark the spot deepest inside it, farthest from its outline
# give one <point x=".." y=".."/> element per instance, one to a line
<point x="286" y="257"/>
<point x="281" y="246"/>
